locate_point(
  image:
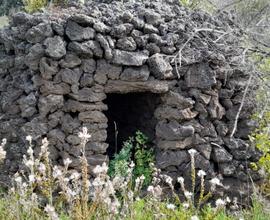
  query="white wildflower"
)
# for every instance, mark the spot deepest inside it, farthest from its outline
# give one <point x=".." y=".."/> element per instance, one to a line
<point x="220" y="203"/>
<point x="67" y="162"/>
<point x="75" y="175"/>
<point x="192" y="152"/>
<point x="201" y="173"/>
<point x="31" y="178"/>
<point x="132" y="164"/>
<point x="150" y="189"/>
<point x="29" y="163"/>
<point x="42" y="168"/>
<point x="185" y="205"/>
<point x="142" y="177"/>
<point x="228" y="200"/>
<point x="101" y="169"/>
<point x="215" y="181"/>
<point x="30" y="151"/>
<point x="188" y="194"/>
<point x="18" y="179"/>
<point x="51" y="212"/>
<point x="168" y="180"/>
<point x="29" y="139"/>
<point x="4" y="142"/>
<point x="170" y="206"/>
<point x="3" y="153"/>
<point x="56" y="172"/>
<point x="84" y="134"/>
<point x="194" y="217"/>
<point x="180" y="180"/>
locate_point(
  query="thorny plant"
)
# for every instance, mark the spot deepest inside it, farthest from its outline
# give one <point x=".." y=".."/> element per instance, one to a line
<point x="43" y="189"/>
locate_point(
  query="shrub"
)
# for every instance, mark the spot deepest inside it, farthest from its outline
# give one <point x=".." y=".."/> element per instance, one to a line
<point x="34" y="5"/>
<point x="144" y="158"/>
<point x="136" y="147"/>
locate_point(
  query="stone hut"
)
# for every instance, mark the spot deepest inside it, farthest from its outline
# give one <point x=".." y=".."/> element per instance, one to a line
<point x="157" y="67"/>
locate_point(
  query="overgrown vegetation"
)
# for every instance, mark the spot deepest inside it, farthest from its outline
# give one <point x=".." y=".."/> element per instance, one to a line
<point x="136" y="147"/>
<point x="44" y="191"/>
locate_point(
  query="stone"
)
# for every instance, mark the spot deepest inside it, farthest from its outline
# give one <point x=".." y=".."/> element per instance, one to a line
<point x="56" y="137"/>
<point x="73" y="140"/>
<point x="35" y="128"/>
<point x="205" y="150"/>
<point x="106" y="69"/>
<point x="200" y="76"/>
<point x="55" y="47"/>
<point x="127" y="44"/>
<point x="69" y="124"/>
<point x="97" y="159"/>
<point x="200" y="97"/>
<point x="93" y="117"/>
<point x="120" y="30"/>
<point x="87" y="80"/>
<point x="50" y="104"/>
<point x="97" y="147"/>
<point x="58" y="28"/>
<point x="94" y="46"/>
<point x="221" y="128"/>
<point x="48" y="68"/>
<point x="75" y="106"/>
<point x="159" y="67"/>
<point x="99" y="136"/>
<point x="101" y="27"/>
<point x="80" y="49"/>
<point x="134" y="74"/>
<point x="32" y="59"/>
<point x="75" y="32"/>
<point x="171" y="158"/>
<point x="89" y="65"/>
<point x="129" y="58"/>
<point x="105" y="46"/>
<point x="226" y="169"/>
<point x="176" y="100"/>
<point x="154" y="86"/>
<point x="152" y="17"/>
<point x="88" y="95"/>
<point x="39" y="33"/>
<point x="70" y="76"/>
<point x="173" y="131"/>
<point x="150" y="29"/>
<point x="70" y="61"/>
<point x="83" y="19"/>
<point x="166" y="112"/>
<point x="54" y="119"/>
<point x="175" y="145"/>
<point x="215" y="109"/>
<point x="49" y="87"/>
<point x="220" y="155"/>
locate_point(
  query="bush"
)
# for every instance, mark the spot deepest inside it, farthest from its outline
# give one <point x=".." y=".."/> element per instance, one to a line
<point x="34" y="5"/>
<point x="136" y="147"/>
<point x="7" y="5"/>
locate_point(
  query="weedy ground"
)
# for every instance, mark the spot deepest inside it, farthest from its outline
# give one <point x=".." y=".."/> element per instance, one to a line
<point x="45" y="191"/>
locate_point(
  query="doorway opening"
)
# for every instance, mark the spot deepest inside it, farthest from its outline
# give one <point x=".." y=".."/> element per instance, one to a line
<point x="128" y="113"/>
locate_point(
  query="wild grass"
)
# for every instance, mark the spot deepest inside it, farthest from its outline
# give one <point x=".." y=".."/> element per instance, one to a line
<point x="46" y="191"/>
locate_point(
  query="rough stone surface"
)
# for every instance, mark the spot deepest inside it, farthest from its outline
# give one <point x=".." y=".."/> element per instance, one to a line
<point x="133" y="64"/>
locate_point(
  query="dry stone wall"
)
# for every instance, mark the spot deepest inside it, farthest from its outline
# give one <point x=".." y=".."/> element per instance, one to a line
<point x="56" y="69"/>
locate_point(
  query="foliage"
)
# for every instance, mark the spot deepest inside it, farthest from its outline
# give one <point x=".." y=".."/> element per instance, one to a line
<point x="190" y="3"/>
<point x="7" y="5"/>
<point x="144" y="158"/>
<point x="119" y="165"/>
<point x="136" y="147"/>
<point x="34" y="5"/>
<point x="261" y="138"/>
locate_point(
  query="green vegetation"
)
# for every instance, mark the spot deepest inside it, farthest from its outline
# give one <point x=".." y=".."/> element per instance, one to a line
<point x="136" y="147"/>
<point x="34" y="5"/>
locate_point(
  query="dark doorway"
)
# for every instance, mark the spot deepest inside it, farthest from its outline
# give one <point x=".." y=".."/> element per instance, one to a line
<point x="128" y="113"/>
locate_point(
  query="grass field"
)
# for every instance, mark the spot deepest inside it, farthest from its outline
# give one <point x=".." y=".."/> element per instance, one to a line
<point x="3" y="21"/>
